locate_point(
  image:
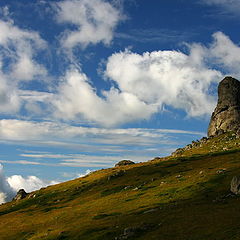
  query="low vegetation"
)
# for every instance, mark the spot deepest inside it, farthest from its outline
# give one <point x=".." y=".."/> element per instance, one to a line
<point x="184" y="196"/>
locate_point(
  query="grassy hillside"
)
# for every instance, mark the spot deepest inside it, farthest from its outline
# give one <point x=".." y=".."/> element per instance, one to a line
<point x="185" y="196"/>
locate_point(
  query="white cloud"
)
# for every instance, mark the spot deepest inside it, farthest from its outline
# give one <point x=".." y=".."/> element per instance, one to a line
<point x="76" y="175"/>
<point x="29" y="184"/>
<point x="164" y="78"/>
<point x="6" y="192"/>
<point x="94" y="21"/>
<point x="146" y="83"/>
<point x="26" y="69"/>
<point x="9" y="99"/>
<point x="232" y="6"/>
<point x="149" y="81"/>
<point x="17" y="52"/>
<point x="10" y="186"/>
<point x="19" y="46"/>
<point x="226" y="53"/>
<point x="78" y="99"/>
<point x="93" y="147"/>
<point x="19" y="130"/>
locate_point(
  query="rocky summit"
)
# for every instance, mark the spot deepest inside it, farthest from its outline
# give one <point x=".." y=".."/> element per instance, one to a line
<point x="226" y="116"/>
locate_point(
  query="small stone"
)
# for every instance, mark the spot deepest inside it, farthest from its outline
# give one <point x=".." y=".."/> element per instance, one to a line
<point x="220" y="171"/>
<point x="235" y="185"/>
<point x="178" y="176"/>
<point x="150" y="210"/>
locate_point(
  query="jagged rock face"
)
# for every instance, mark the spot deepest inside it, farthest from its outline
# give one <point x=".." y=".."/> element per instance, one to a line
<point x="21" y="194"/>
<point x="226" y="116"/>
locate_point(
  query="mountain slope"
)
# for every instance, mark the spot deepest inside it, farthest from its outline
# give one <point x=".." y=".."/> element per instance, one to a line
<point x="184" y="196"/>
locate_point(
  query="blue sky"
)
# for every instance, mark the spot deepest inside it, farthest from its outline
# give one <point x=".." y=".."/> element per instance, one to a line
<point x="86" y="83"/>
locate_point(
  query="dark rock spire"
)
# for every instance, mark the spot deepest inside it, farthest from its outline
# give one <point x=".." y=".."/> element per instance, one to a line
<point x="226" y="116"/>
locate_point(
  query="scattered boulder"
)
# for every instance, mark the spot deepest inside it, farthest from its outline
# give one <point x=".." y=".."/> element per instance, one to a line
<point x="178" y="152"/>
<point x="221" y="171"/>
<point x="21" y="194"/>
<point x="124" y="163"/>
<point x="226" y="116"/>
<point x="131" y="232"/>
<point x="235" y="185"/>
<point x="116" y="175"/>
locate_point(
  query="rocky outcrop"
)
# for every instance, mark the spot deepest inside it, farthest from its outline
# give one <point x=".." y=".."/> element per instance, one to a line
<point x="124" y="163"/>
<point x="21" y="194"/>
<point x="226" y="116"/>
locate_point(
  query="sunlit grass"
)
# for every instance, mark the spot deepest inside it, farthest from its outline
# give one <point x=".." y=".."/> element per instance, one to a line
<point x="179" y="196"/>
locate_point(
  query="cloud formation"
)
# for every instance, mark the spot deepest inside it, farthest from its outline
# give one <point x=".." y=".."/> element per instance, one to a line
<point x="232" y="6"/>
<point x="142" y="84"/>
<point x="91" y="147"/>
<point x="17" y="62"/>
<point x="29" y="184"/>
<point x="6" y="192"/>
<point x="78" y="99"/>
<point x="10" y="186"/>
<point x="93" y="21"/>
<point x="30" y="131"/>
<point x="164" y="77"/>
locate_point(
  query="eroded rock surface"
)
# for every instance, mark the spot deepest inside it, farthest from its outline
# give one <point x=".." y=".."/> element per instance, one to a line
<point x="226" y="116"/>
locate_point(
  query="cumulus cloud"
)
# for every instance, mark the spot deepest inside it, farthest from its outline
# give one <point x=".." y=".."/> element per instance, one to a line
<point x="17" y="46"/>
<point x="29" y="184"/>
<point x="164" y="77"/>
<point x="10" y="186"/>
<point x="94" y="21"/>
<point x="17" y="52"/>
<point x="225" y="53"/>
<point x="144" y="83"/>
<point x="6" y="192"/>
<point x="78" y="99"/>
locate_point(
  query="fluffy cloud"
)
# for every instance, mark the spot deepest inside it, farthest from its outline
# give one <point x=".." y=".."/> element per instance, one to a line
<point x="17" y="46"/>
<point x="17" y="62"/>
<point x="78" y="99"/>
<point x="164" y="77"/>
<point x="94" y="21"/>
<point x="29" y="184"/>
<point x="6" y="192"/>
<point x="145" y="83"/>
<point x="225" y="53"/>
<point x="9" y="186"/>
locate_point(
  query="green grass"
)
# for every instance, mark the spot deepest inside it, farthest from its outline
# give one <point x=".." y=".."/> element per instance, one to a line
<point x="183" y="197"/>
